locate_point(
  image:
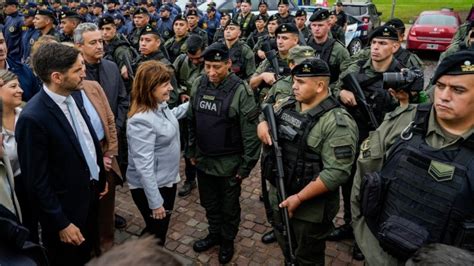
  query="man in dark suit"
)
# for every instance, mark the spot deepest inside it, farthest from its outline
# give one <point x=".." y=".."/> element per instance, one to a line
<point x="60" y="157"/>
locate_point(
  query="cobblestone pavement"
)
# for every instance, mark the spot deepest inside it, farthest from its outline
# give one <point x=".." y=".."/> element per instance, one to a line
<point x="189" y="224"/>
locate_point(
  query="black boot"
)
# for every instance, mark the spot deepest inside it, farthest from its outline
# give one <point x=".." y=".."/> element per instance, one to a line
<point x="226" y="252"/>
<point x="186" y="188"/>
<point x="357" y="253"/>
<point x="206" y="243"/>
<point x="342" y="232"/>
<point x="269" y="237"/>
<point x="120" y="222"/>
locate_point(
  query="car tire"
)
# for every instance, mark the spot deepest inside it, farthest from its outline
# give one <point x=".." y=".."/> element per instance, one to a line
<point x="355" y="46"/>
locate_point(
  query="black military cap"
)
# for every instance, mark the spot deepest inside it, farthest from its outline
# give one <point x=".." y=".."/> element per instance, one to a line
<point x="107" y="19"/>
<point x="192" y="12"/>
<point x="69" y="14"/>
<point x="232" y="22"/>
<point x="11" y="2"/>
<point x="459" y="63"/>
<point x="247" y="1"/>
<point x="274" y="17"/>
<point x="332" y="13"/>
<point x="211" y="8"/>
<point x="97" y="4"/>
<point x="150" y="30"/>
<point x="384" y="32"/>
<point x="112" y="2"/>
<point x="260" y="17"/>
<point x="179" y="17"/>
<point x="46" y="12"/>
<point x="287" y="28"/>
<point x="396" y="23"/>
<point x="216" y="52"/>
<point x="339" y="3"/>
<point x="301" y="13"/>
<point x="319" y="15"/>
<point x="262" y="2"/>
<point x="42" y="2"/>
<point x="30" y="5"/>
<point x="283" y="2"/>
<point x="311" y="67"/>
<point x="29" y="13"/>
<point x="141" y="10"/>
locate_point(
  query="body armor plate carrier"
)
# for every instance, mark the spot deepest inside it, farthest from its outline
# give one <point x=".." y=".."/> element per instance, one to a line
<point x="422" y="195"/>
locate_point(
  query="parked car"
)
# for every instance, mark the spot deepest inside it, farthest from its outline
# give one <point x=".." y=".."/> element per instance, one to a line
<point x="357" y="34"/>
<point x="228" y="5"/>
<point x="365" y="12"/>
<point x="433" y="30"/>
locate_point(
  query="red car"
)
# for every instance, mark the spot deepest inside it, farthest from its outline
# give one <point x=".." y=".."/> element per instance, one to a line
<point x="433" y="30"/>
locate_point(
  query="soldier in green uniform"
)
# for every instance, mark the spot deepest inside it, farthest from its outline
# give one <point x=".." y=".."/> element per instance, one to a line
<point x="258" y="32"/>
<point x="219" y="35"/>
<point x="327" y="49"/>
<point x="266" y="74"/>
<point x="337" y="32"/>
<point x="175" y="46"/>
<point x="404" y="57"/>
<point x="384" y="43"/>
<point x="281" y="89"/>
<point x="466" y="43"/>
<point x="188" y="67"/>
<point x="224" y="146"/>
<point x="271" y="26"/>
<point x="141" y="18"/>
<point x="68" y="22"/>
<point x="318" y="153"/>
<point x="193" y="17"/>
<point x="246" y="19"/>
<point x="426" y="152"/>
<point x="462" y="31"/>
<point x="284" y="12"/>
<point x="300" y="22"/>
<point x="243" y="60"/>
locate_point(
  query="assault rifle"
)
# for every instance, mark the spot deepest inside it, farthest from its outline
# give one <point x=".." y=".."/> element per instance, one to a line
<point x="351" y="83"/>
<point x="271" y="56"/>
<point x="280" y="184"/>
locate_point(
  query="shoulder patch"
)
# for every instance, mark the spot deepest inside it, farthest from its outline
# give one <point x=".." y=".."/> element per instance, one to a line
<point x="340" y="119"/>
<point x="277" y="106"/>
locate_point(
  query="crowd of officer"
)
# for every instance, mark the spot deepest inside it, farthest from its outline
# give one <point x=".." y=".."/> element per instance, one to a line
<point x="402" y="156"/>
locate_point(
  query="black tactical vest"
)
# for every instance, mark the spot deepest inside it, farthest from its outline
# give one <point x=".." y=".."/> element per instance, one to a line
<point x="301" y="164"/>
<point x="217" y="133"/>
<point x="427" y="194"/>
<point x="324" y="52"/>
<point x="238" y="64"/>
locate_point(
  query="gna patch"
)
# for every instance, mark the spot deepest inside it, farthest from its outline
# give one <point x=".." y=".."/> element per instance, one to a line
<point x="208" y="104"/>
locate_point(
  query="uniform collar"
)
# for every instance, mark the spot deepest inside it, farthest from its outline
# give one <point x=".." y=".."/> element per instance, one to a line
<point x="435" y="128"/>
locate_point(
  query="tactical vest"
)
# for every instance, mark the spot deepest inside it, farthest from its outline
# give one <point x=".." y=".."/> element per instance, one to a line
<point x="403" y="56"/>
<point x="426" y="194"/>
<point x="324" y="52"/>
<point x="174" y="49"/>
<point x="377" y="97"/>
<point x="211" y="108"/>
<point x="301" y="164"/>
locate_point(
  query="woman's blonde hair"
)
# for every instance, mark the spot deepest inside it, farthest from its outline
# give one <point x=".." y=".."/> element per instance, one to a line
<point x="149" y="75"/>
<point x="7" y="76"/>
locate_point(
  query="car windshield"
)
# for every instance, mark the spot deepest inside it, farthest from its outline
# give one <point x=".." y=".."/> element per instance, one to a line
<point x="355" y="10"/>
<point x="435" y="19"/>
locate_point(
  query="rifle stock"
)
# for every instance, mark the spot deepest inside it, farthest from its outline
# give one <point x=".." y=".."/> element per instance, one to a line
<point x="267" y="110"/>
<point x="351" y="83"/>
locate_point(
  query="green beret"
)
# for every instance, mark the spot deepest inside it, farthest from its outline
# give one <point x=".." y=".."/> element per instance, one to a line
<point x="459" y="63"/>
<point x="216" y="52"/>
<point x="311" y="68"/>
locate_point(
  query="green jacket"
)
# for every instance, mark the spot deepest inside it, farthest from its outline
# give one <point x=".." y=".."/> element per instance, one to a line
<point x="244" y="109"/>
<point x="186" y="73"/>
<point x="335" y="129"/>
<point x="373" y="153"/>
<point x="246" y="59"/>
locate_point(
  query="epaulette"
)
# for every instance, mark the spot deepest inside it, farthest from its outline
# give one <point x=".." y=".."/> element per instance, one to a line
<point x="398" y="111"/>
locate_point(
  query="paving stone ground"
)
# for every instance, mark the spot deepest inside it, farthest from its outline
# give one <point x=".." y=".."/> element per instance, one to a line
<point x="188" y="224"/>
